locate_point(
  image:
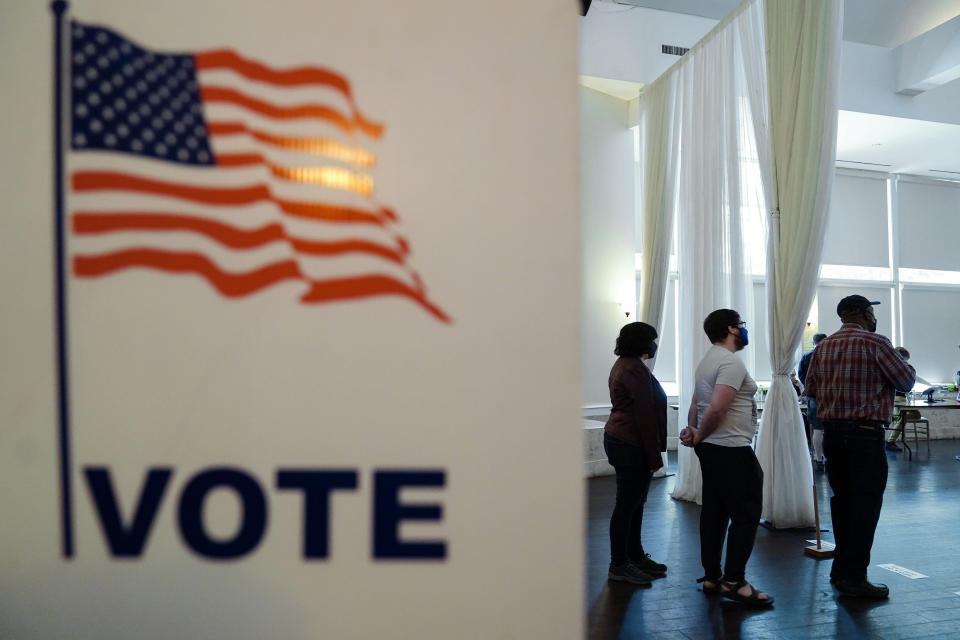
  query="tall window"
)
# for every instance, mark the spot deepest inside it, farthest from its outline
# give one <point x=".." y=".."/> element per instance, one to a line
<point x="892" y="238"/>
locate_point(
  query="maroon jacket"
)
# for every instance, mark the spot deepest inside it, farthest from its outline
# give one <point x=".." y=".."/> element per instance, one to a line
<point x="639" y="413"/>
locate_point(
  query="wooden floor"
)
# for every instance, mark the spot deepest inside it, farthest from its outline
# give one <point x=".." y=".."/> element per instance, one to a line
<point x="919" y="530"/>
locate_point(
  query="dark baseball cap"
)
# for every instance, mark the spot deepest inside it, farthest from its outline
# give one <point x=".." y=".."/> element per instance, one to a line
<point x="853" y="304"/>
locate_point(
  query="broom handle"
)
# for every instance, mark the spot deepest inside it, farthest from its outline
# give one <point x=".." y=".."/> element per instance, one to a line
<point x="816" y="506"/>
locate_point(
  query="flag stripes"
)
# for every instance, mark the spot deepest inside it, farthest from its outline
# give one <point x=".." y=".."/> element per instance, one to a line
<point x="224" y="149"/>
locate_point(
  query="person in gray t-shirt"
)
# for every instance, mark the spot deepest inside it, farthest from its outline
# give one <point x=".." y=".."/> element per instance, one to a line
<point x="721" y="425"/>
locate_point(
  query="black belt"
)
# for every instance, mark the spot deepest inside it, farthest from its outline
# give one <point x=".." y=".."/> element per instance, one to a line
<point x="873" y="425"/>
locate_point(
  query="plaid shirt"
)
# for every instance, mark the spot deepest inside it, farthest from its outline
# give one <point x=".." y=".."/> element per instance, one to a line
<point x="854" y="373"/>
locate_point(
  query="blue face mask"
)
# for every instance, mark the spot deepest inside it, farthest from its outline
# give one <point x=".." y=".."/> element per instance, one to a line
<point x="653" y="349"/>
<point x="744" y="335"/>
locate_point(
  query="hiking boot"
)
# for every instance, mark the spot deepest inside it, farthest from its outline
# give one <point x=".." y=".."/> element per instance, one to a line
<point x="650" y="566"/>
<point x="628" y="572"/>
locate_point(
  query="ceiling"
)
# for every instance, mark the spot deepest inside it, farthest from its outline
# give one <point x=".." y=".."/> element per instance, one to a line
<point x="864" y="140"/>
<point x="885" y="23"/>
<point x="898" y="145"/>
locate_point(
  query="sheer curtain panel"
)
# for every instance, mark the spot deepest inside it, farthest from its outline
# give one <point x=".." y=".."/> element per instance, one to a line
<point x="802" y="58"/>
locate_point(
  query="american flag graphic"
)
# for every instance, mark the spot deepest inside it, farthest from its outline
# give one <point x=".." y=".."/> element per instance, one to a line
<point x="211" y="165"/>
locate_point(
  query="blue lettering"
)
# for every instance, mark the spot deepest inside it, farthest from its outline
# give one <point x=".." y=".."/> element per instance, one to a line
<point x="388" y="512"/>
<point x="253" y="524"/>
<point x="316" y="486"/>
<point x="126" y="541"/>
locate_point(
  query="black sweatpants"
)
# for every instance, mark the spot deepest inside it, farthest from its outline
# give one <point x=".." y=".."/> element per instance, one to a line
<point x="732" y="494"/>
<point x="857" y="470"/>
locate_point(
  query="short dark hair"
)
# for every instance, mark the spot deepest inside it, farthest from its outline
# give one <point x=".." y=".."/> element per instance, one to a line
<point x="817" y="337"/>
<point x="715" y="325"/>
<point x="903" y="352"/>
<point x="635" y="339"/>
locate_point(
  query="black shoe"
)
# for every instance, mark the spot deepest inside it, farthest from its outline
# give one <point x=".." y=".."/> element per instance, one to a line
<point x="649" y="565"/>
<point x="892" y="446"/>
<point x="628" y="572"/>
<point x="861" y="589"/>
<point x="821" y="465"/>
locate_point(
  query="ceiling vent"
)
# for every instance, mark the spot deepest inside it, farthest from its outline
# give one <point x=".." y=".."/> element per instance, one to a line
<point x="872" y="164"/>
<point x="673" y="50"/>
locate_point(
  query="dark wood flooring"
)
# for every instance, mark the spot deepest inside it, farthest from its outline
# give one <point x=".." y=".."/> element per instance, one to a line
<point x="919" y="530"/>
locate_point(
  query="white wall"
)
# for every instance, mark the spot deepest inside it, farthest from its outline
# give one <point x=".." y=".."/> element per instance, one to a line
<point x="623" y="43"/>
<point x="867" y="84"/>
<point x="607" y="203"/>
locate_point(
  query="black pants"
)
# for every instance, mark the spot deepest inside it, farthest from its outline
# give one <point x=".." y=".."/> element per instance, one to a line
<point x="857" y="470"/>
<point x="732" y="493"/>
<point x="633" y="481"/>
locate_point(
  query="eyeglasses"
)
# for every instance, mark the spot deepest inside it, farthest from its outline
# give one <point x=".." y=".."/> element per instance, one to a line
<point x="741" y="325"/>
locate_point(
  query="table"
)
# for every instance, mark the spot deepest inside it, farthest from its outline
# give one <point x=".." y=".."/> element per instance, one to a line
<point x="933" y="408"/>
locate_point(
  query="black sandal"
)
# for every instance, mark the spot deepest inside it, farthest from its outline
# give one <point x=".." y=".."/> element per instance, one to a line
<point x="753" y="600"/>
<point x="710" y="591"/>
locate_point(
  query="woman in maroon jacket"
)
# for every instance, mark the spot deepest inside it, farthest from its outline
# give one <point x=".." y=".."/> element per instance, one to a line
<point x="633" y="438"/>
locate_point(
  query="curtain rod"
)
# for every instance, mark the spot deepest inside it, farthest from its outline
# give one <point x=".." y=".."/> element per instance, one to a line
<point x="740" y="8"/>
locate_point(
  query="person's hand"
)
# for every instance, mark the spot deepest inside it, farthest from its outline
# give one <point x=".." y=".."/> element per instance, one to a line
<point x="688" y="437"/>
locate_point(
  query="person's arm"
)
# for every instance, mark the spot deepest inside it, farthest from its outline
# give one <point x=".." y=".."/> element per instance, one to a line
<point x="804" y="367"/>
<point x="720" y="401"/>
<point x="686" y="435"/>
<point x="810" y="380"/>
<point x="896" y="370"/>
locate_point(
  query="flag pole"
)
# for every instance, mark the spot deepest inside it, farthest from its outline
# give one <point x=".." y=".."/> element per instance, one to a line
<point x="59" y="8"/>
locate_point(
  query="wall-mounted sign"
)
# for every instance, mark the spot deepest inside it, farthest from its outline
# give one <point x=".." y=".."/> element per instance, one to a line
<point x="290" y="340"/>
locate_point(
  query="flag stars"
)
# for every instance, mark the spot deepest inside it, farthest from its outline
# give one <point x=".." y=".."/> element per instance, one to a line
<point x="129" y="99"/>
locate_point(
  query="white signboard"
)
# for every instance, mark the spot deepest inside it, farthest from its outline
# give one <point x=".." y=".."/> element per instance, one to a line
<point x="290" y="330"/>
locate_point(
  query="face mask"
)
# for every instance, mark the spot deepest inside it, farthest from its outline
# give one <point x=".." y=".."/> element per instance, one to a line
<point x="744" y="336"/>
<point x="652" y="350"/>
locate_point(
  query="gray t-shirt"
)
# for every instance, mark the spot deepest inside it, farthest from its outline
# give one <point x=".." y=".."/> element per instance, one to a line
<point x="719" y="366"/>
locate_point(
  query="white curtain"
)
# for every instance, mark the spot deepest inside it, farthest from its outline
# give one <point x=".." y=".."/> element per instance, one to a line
<point x="739" y="117"/>
<point x="713" y="270"/>
<point x="659" y="151"/>
<point x="660" y="142"/>
<point x="802" y="60"/>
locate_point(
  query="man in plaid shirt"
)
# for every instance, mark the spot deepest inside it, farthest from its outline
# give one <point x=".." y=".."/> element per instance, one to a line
<point x="854" y="374"/>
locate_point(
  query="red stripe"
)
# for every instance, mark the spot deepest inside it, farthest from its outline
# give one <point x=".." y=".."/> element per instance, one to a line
<point x="298" y="76"/>
<point x="116" y="181"/>
<point x="313" y="110"/>
<point x="237" y="285"/>
<point x="86" y="222"/>
<point x="365" y="286"/>
<point x="229" y="284"/>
